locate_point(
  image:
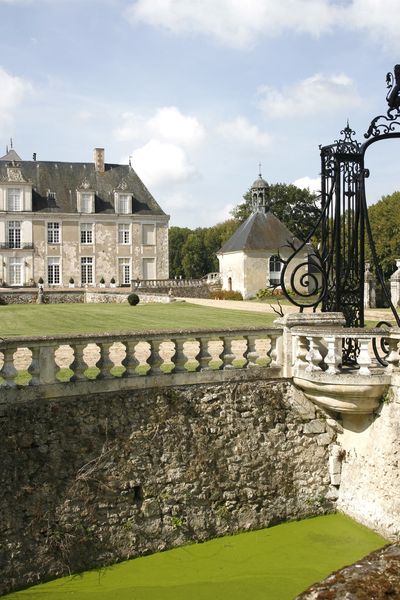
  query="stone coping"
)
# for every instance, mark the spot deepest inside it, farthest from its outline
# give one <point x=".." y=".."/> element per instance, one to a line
<point x="121" y="335"/>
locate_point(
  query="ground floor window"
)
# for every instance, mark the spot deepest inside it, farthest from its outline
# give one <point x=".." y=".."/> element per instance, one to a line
<point x="275" y="268"/>
<point x="15" y="271"/>
<point x="87" y="270"/>
<point x="53" y="270"/>
<point x="124" y="271"/>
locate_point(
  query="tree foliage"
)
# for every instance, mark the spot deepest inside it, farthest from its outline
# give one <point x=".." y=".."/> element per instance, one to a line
<point x="295" y="207"/>
<point x="193" y="253"/>
<point x="384" y="217"/>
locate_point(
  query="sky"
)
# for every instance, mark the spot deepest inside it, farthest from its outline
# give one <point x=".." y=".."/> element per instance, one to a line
<point x="197" y="93"/>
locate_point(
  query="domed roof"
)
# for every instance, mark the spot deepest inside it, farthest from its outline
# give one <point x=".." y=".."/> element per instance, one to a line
<point x="260" y="183"/>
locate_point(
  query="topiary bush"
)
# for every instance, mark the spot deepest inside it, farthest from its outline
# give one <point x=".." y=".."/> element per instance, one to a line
<point x="133" y="299"/>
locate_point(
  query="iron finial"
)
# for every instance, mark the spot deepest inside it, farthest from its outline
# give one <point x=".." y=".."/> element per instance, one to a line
<point x="259" y="169"/>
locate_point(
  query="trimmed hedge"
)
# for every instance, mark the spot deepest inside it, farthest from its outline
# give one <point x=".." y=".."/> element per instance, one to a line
<point x="133" y="299"/>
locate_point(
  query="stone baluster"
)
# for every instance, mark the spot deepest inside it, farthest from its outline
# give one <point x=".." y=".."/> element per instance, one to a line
<point x="218" y="351"/>
<point x="34" y="367"/>
<point x="179" y="358"/>
<point x="364" y="359"/>
<point x="313" y="356"/>
<point x="228" y="355"/>
<point x="204" y="356"/>
<point x="252" y="354"/>
<point x="130" y="362"/>
<point x="9" y="372"/>
<point x="393" y="357"/>
<point x="301" y="351"/>
<point x="105" y="364"/>
<point x="155" y="361"/>
<point x="333" y="357"/>
<point x="78" y="365"/>
<point x="47" y="365"/>
<point x="273" y="351"/>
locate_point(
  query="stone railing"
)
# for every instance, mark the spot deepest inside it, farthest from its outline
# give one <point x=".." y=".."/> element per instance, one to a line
<point x="339" y="368"/>
<point x="64" y="365"/>
<point x="312" y="356"/>
<point x="170" y="283"/>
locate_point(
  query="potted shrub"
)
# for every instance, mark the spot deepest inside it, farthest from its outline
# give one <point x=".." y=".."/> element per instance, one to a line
<point x="112" y="282"/>
<point x="40" y="281"/>
<point x="102" y="282"/>
<point x="71" y="282"/>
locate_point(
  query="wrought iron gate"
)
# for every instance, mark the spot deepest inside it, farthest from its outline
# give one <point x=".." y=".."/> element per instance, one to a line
<point x="330" y="271"/>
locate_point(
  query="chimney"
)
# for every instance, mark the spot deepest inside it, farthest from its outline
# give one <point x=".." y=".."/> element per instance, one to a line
<point x="99" y="160"/>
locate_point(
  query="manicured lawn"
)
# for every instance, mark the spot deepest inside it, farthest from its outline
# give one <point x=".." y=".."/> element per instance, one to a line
<point x="17" y="319"/>
<point x="270" y="564"/>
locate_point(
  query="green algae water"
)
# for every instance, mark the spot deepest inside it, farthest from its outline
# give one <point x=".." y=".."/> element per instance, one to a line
<point x="271" y="564"/>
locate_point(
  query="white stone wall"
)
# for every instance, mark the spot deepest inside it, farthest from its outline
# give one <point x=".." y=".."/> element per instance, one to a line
<point x="249" y="271"/>
<point x="370" y="478"/>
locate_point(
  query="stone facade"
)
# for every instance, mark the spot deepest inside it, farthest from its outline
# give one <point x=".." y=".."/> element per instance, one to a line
<point x="89" y="481"/>
<point x="85" y="221"/>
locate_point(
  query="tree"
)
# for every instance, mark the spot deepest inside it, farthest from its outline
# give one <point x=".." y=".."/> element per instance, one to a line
<point x="384" y="217"/>
<point x="295" y="207"/>
<point x="194" y="255"/>
<point x="177" y="238"/>
<point x="214" y="238"/>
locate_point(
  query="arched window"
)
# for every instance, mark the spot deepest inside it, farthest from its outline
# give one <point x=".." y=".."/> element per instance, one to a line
<point x="275" y="268"/>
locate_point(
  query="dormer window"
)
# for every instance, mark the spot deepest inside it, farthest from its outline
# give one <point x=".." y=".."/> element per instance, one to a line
<point x="14" y="199"/>
<point x="51" y="195"/>
<point x="86" y="202"/>
<point x="123" y="203"/>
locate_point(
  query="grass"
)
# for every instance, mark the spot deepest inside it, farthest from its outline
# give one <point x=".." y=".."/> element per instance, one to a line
<point x="276" y="563"/>
<point x="31" y="320"/>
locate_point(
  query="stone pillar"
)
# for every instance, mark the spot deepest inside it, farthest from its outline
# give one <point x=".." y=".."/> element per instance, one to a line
<point x="395" y="285"/>
<point x="369" y="288"/>
<point x="322" y="321"/>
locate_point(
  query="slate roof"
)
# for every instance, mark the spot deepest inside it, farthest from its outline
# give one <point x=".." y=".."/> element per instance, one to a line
<point x="260" y="183"/>
<point x="11" y="155"/>
<point x="260" y="231"/>
<point x="65" y="178"/>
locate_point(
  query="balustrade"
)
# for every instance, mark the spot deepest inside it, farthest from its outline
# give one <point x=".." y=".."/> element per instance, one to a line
<point x="343" y="351"/>
<point x="68" y="360"/>
<point x="316" y="354"/>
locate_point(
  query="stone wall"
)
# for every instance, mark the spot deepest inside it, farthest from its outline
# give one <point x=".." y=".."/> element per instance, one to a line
<point x="89" y="481"/>
<point x="78" y="296"/>
<point x="50" y="297"/>
<point x="370" y="480"/>
<point x="376" y="577"/>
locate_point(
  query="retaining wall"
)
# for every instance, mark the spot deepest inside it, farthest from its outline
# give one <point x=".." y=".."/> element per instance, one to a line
<point x="88" y="481"/>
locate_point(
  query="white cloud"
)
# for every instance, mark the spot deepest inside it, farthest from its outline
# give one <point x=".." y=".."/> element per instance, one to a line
<point x="311" y="183"/>
<point x="170" y="124"/>
<point x="234" y="22"/>
<point x="159" y="163"/>
<point x="224" y="213"/>
<point x="241" y="130"/>
<point x="316" y="94"/>
<point x="167" y="124"/>
<point x="237" y="23"/>
<point x="13" y="90"/>
<point x="380" y="19"/>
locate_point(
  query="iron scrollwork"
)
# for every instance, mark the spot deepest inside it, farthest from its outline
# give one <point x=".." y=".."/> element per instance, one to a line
<point x="333" y="275"/>
<point x="384" y="125"/>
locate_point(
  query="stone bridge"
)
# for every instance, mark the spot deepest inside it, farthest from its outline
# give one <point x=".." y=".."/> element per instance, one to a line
<point x="115" y="446"/>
